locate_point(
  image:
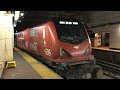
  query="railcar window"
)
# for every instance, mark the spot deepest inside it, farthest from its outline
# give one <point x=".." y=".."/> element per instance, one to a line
<point x="33" y="32"/>
<point x="71" y="33"/>
<point x="21" y="35"/>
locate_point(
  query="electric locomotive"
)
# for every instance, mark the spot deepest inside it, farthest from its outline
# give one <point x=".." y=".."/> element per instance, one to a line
<point x="64" y="44"/>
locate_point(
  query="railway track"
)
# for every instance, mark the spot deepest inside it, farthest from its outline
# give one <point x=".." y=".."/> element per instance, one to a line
<point x="110" y="69"/>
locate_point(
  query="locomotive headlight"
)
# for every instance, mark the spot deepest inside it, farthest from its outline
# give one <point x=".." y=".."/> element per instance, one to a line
<point x="63" y="52"/>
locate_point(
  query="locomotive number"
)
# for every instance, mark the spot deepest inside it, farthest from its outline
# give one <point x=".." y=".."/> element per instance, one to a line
<point x="47" y="52"/>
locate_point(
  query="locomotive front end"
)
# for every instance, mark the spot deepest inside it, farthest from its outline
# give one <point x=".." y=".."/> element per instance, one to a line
<point x="75" y="60"/>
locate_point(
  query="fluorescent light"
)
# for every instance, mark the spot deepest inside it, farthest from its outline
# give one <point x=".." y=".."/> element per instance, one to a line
<point x="21" y="14"/>
<point x="14" y="25"/>
<point x="17" y="15"/>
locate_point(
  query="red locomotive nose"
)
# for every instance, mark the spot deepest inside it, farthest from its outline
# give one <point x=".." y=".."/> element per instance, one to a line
<point x="77" y="50"/>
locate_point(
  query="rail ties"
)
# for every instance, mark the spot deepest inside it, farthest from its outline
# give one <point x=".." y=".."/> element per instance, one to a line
<point x="110" y="69"/>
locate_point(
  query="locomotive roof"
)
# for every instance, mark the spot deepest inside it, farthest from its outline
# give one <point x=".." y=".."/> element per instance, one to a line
<point x="27" y="23"/>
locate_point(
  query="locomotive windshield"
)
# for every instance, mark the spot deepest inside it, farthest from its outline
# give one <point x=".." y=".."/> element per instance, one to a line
<point x="71" y="31"/>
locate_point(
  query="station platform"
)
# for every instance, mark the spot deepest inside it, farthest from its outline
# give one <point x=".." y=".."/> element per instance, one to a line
<point x="106" y="54"/>
<point x="2" y="65"/>
<point x="28" y="68"/>
<point x="105" y="48"/>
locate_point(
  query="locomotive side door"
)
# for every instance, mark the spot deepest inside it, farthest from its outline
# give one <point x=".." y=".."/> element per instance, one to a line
<point x="45" y="43"/>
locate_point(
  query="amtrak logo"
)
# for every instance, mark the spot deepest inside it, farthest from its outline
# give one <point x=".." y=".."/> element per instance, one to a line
<point x="76" y="47"/>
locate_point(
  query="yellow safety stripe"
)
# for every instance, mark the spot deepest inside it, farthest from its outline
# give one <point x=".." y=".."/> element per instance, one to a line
<point x="43" y="70"/>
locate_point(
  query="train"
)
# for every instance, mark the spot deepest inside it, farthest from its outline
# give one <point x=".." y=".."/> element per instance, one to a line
<point x="62" y="43"/>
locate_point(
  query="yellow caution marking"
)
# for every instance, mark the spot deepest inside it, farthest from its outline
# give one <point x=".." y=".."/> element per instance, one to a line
<point x="43" y="70"/>
<point x="10" y="64"/>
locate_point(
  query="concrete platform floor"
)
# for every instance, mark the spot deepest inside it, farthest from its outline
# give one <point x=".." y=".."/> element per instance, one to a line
<point x="23" y="70"/>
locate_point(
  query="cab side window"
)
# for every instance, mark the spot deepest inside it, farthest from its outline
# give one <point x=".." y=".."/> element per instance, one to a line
<point x="34" y="32"/>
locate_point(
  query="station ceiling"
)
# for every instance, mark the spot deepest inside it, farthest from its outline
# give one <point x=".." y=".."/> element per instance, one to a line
<point x="31" y="18"/>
